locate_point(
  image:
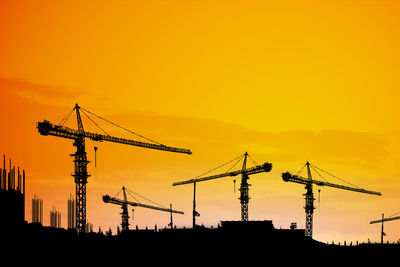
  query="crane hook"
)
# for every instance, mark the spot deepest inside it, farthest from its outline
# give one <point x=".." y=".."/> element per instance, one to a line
<point x="319" y="196"/>
<point x="234" y="188"/>
<point x="95" y="156"/>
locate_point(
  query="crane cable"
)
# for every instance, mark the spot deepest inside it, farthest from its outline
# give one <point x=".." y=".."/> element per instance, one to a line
<point x="254" y="162"/>
<point x="301" y="170"/>
<point x="220" y="166"/>
<point x="118" y="193"/>
<point x="132" y="196"/>
<point x="393" y="214"/>
<point x="130" y="191"/>
<point x="64" y="120"/>
<point x="315" y="167"/>
<point x="318" y="173"/>
<point x="334" y="176"/>
<point x="121" y="127"/>
<point x="240" y="158"/>
<point x="94" y="123"/>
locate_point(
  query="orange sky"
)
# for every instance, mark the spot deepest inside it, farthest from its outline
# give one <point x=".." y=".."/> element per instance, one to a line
<point x="287" y="81"/>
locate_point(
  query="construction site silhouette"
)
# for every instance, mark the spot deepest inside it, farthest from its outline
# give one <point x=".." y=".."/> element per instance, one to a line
<point x="229" y="238"/>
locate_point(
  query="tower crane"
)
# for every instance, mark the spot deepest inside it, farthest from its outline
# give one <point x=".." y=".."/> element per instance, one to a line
<point x="244" y="186"/>
<point x="124" y="206"/>
<point x="309" y="196"/>
<point x="391" y="218"/>
<point x="80" y="160"/>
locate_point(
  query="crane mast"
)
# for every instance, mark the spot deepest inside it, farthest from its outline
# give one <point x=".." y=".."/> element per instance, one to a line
<point x="309" y="205"/>
<point x="80" y="175"/>
<point x="124" y="213"/>
<point x="309" y="196"/>
<point x="244" y="192"/>
<point x="80" y="159"/>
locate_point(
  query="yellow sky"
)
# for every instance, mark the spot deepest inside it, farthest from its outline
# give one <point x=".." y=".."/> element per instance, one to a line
<point x="288" y="81"/>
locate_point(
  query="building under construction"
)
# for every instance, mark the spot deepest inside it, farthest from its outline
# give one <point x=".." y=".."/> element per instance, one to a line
<point x="37" y="210"/>
<point x="55" y="218"/>
<point x="71" y="212"/>
<point x="12" y="195"/>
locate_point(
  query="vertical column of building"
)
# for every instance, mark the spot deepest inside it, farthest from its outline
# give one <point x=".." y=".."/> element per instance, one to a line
<point x="4" y="185"/>
<point x="52" y="218"/>
<point x="9" y="177"/>
<point x="18" y="181"/>
<point x="71" y="212"/>
<point x="1" y="179"/>
<point x="40" y="211"/>
<point x="59" y="220"/>
<point x="13" y="178"/>
<point x="34" y="208"/>
<point x="21" y="196"/>
<point x="23" y="189"/>
<point x="89" y="227"/>
<point x="9" y="180"/>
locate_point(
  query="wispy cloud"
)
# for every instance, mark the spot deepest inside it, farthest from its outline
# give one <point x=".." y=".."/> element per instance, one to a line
<point x="39" y="93"/>
<point x="218" y="139"/>
<point x="55" y="95"/>
<point x="212" y="139"/>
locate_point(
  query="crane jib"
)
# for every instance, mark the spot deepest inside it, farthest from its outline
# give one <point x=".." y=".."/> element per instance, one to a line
<point x="116" y="201"/>
<point x="266" y="167"/>
<point x="287" y="177"/>
<point x="386" y="220"/>
<point x="47" y="128"/>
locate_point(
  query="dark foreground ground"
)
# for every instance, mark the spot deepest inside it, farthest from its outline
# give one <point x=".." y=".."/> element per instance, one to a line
<point x="239" y="243"/>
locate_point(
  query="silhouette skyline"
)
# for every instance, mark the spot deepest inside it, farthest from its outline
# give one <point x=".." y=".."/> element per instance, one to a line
<point x="287" y="82"/>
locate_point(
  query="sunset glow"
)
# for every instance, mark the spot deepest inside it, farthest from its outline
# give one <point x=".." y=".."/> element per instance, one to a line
<point x="287" y="81"/>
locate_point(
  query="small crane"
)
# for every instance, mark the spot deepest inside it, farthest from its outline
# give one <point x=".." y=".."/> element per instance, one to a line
<point x="124" y="206"/>
<point x="80" y="159"/>
<point x="391" y="218"/>
<point x="309" y="196"/>
<point x="244" y="186"/>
